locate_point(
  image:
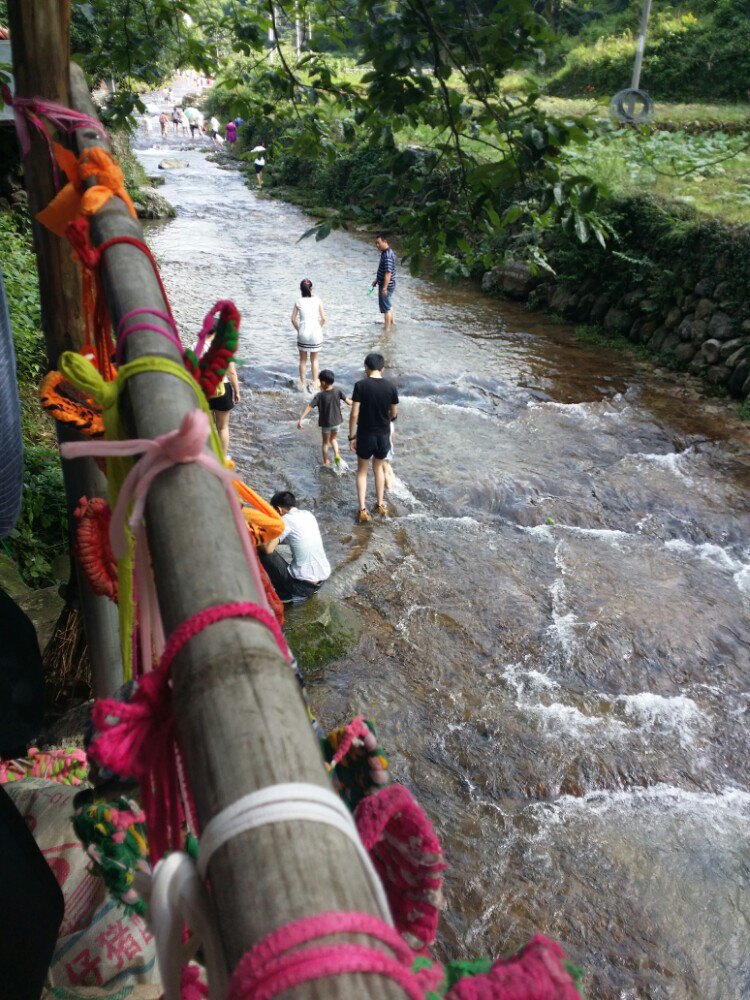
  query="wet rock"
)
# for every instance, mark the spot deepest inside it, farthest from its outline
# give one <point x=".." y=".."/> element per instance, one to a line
<point x="673" y="318"/>
<point x="737" y="357"/>
<point x="671" y="341"/>
<point x="710" y="351"/>
<point x="564" y="303"/>
<point x="738" y="378"/>
<point x="634" y="333"/>
<point x="585" y="305"/>
<point x="745" y="326"/>
<point x="684" y="328"/>
<point x="657" y="338"/>
<point x="698" y="331"/>
<point x="704" y="309"/>
<point x="172" y="163"/>
<point x="689" y="303"/>
<point x="618" y="320"/>
<point x="514" y="279"/>
<point x="685" y="351"/>
<point x="648" y="329"/>
<point x="634" y="298"/>
<point x="718" y="374"/>
<point x="745" y="391"/>
<point x="722" y="291"/>
<point x="600" y="308"/>
<point x="648" y="306"/>
<point x="10" y="581"/>
<point x="321" y="631"/>
<point x="149" y="204"/>
<point x="730" y="346"/>
<point x="721" y="327"/>
<point x="19" y="199"/>
<point x="704" y="287"/>
<point x="43" y="608"/>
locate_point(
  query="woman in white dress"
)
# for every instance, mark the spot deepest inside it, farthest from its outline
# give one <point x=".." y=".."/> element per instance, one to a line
<point x="308" y="317"/>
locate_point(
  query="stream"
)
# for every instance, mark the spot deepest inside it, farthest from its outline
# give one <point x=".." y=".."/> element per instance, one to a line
<point x="556" y="628"/>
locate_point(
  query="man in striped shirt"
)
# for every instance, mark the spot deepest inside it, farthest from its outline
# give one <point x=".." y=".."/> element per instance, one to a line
<point x="385" y="280"/>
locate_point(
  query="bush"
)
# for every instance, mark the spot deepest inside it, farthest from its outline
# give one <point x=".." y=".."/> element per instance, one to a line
<point x="22" y="290"/>
<point x="698" y="54"/>
<point x="41" y="533"/>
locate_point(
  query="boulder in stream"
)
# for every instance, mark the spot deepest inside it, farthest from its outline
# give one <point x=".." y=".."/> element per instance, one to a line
<point x="172" y="163"/>
<point x="149" y="204"/>
<point x="514" y="279"/>
<point x="321" y="631"/>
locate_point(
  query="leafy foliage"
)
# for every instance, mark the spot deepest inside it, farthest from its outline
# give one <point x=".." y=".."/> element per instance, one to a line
<point x="41" y="532"/>
<point x="694" y="50"/>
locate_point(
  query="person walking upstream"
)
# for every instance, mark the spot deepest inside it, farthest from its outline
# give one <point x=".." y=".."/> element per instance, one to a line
<point x="385" y="279"/>
<point x="374" y="408"/>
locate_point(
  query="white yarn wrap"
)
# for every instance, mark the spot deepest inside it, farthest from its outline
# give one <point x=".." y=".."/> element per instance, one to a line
<point x="178" y="894"/>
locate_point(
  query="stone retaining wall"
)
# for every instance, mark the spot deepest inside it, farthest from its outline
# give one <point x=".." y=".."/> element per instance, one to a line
<point x="700" y="327"/>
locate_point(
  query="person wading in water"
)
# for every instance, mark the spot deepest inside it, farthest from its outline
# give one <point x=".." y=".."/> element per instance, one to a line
<point x="374" y="408"/>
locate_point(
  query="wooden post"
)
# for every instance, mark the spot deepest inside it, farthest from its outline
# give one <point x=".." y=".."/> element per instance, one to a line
<point x="39" y="36"/>
<point x="240" y="719"/>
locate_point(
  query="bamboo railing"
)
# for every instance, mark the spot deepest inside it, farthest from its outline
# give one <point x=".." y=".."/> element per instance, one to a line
<point x="240" y="720"/>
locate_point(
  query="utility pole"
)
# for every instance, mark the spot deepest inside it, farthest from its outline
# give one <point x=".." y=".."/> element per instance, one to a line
<point x="641" y="46"/>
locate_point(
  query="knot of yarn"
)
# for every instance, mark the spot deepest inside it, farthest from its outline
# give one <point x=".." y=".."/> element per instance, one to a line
<point x="76" y="198"/>
<point x="92" y="547"/>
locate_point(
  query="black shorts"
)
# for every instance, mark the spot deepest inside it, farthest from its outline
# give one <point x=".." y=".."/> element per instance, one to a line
<point x="224" y="402"/>
<point x="373" y="445"/>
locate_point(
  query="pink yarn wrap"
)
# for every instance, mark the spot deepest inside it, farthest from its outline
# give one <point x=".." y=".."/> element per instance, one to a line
<point x="137" y="739"/>
<point x="357" y="729"/>
<point x="208" y="322"/>
<point x="182" y="446"/>
<point x="408" y="858"/>
<point x="29" y="109"/>
<point x="279" y="963"/>
<point x="124" y="329"/>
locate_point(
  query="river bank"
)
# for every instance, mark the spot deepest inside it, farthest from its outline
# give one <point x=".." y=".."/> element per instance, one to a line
<point x="553" y="625"/>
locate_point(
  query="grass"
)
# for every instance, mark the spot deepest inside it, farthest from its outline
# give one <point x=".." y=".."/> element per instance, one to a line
<point x="679" y="114"/>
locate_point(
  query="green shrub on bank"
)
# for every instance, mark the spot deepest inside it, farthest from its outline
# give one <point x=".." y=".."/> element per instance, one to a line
<point x="41" y="534"/>
<point x="690" y="54"/>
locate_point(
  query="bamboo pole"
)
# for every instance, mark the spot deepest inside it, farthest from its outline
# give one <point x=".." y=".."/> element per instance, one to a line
<point x="39" y="39"/>
<point x="240" y="719"/>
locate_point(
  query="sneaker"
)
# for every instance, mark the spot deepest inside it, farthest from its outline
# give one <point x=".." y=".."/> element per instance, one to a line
<point x="363" y="517"/>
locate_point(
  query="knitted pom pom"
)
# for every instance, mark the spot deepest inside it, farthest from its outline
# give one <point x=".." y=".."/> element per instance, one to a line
<point x="210" y="368"/>
<point x="409" y="859"/>
<point x="537" y="972"/>
<point x="356" y="760"/>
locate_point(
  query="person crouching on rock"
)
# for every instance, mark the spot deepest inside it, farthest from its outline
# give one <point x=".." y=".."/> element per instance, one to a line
<point x="309" y="568"/>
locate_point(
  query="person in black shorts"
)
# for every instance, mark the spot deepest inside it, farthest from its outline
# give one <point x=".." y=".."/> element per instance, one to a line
<point x="374" y="407"/>
<point x="224" y="399"/>
<point x="328" y="403"/>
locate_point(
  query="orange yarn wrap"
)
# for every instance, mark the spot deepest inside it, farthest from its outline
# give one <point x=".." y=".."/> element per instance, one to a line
<point x="71" y="406"/>
<point x="263" y="522"/>
<point x="67" y="215"/>
<point x="92" y="548"/>
<point x="73" y="200"/>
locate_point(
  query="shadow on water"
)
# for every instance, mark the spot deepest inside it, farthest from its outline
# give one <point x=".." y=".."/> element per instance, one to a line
<point x="556" y="634"/>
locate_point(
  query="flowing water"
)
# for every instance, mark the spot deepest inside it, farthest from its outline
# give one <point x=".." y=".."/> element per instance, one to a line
<point x="556" y="641"/>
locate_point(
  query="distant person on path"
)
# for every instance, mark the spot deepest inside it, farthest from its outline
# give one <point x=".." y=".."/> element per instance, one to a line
<point x="308" y="319"/>
<point x="309" y="568"/>
<point x="328" y="404"/>
<point x="374" y="408"/>
<point x="184" y="124"/>
<point x="164" y="122"/>
<point x="176" y="115"/>
<point x="195" y="118"/>
<point x="213" y="127"/>
<point x="385" y="279"/>
<point x="231" y="133"/>
<point x="260" y="162"/>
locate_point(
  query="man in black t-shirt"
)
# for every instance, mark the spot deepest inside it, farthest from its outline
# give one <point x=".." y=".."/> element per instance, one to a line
<point x="374" y="407"/>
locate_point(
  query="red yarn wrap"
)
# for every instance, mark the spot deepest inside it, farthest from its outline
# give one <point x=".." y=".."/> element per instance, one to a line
<point x="211" y="368"/>
<point x="408" y="858"/>
<point x="92" y="548"/>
